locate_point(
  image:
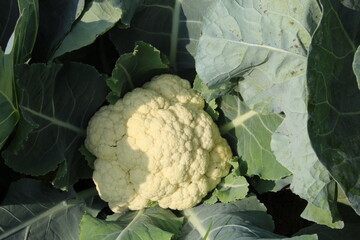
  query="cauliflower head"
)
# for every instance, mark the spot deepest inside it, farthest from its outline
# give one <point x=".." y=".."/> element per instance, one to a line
<point x="156" y="144"/>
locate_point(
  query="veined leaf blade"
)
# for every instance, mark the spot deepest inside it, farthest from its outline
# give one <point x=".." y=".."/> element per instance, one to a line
<point x="97" y="18"/>
<point x="245" y="219"/>
<point x="9" y="116"/>
<point x="334" y="99"/>
<point x="246" y="40"/>
<point x="34" y="211"/>
<point x="134" y="69"/>
<point x="173" y="27"/>
<point x="153" y="223"/>
<point x="56" y="103"/>
<point x="56" y="18"/>
<point x="250" y="132"/>
<point x="18" y="50"/>
<point x="23" y="39"/>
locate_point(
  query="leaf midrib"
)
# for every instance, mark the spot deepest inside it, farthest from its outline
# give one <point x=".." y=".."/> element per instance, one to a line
<point x="238" y="121"/>
<point x="195" y="222"/>
<point x="270" y="48"/>
<point x="133" y="221"/>
<point x="56" y="121"/>
<point x="48" y="213"/>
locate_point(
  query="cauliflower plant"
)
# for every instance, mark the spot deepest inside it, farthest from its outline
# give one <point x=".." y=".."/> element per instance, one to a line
<point x="156" y="144"/>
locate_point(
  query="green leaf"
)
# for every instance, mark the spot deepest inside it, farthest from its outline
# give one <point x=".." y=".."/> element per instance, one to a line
<point x="351" y="230"/>
<point x="245" y="219"/>
<point x="89" y="157"/>
<point x="334" y="97"/>
<point x="9" y="114"/>
<point x="56" y="19"/>
<point x="262" y="186"/>
<point x="56" y="104"/>
<point x="71" y="170"/>
<point x="19" y="45"/>
<point x="210" y="94"/>
<point x="267" y="44"/>
<point x="249" y="133"/>
<point x="32" y="211"/>
<point x="173" y="27"/>
<point x="211" y="109"/>
<point x="18" y="50"/>
<point x="23" y="39"/>
<point x="352" y="4"/>
<point x="237" y="37"/>
<point x="134" y="69"/>
<point x="342" y="197"/>
<point x="232" y="187"/>
<point x="323" y="215"/>
<point x="356" y="66"/>
<point x="7" y="85"/>
<point x="98" y="17"/>
<point x="152" y="223"/>
<point x="9" y="117"/>
<point x="95" y="205"/>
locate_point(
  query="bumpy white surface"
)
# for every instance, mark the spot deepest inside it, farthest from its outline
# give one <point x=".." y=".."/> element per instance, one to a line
<point x="156" y="144"/>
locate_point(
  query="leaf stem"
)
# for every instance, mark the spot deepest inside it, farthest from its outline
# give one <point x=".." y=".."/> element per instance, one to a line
<point x="239" y="120"/>
<point x="138" y="215"/>
<point x="196" y="222"/>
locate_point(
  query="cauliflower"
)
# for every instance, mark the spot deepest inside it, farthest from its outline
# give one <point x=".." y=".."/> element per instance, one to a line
<point x="157" y="144"/>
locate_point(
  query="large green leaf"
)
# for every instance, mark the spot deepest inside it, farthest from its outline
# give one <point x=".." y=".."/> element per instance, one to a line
<point x="18" y="49"/>
<point x="34" y="211"/>
<point x="98" y="17"/>
<point x="249" y="132"/>
<point x="134" y="69"/>
<point x="152" y="224"/>
<point x="245" y="219"/>
<point x="19" y="45"/>
<point x="173" y="27"/>
<point x="23" y="39"/>
<point x="356" y="66"/>
<point x="56" y="19"/>
<point x="238" y="35"/>
<point x="266" y="42"/>
<point x="334" y="100"/>
<point x="56" y="104"/>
